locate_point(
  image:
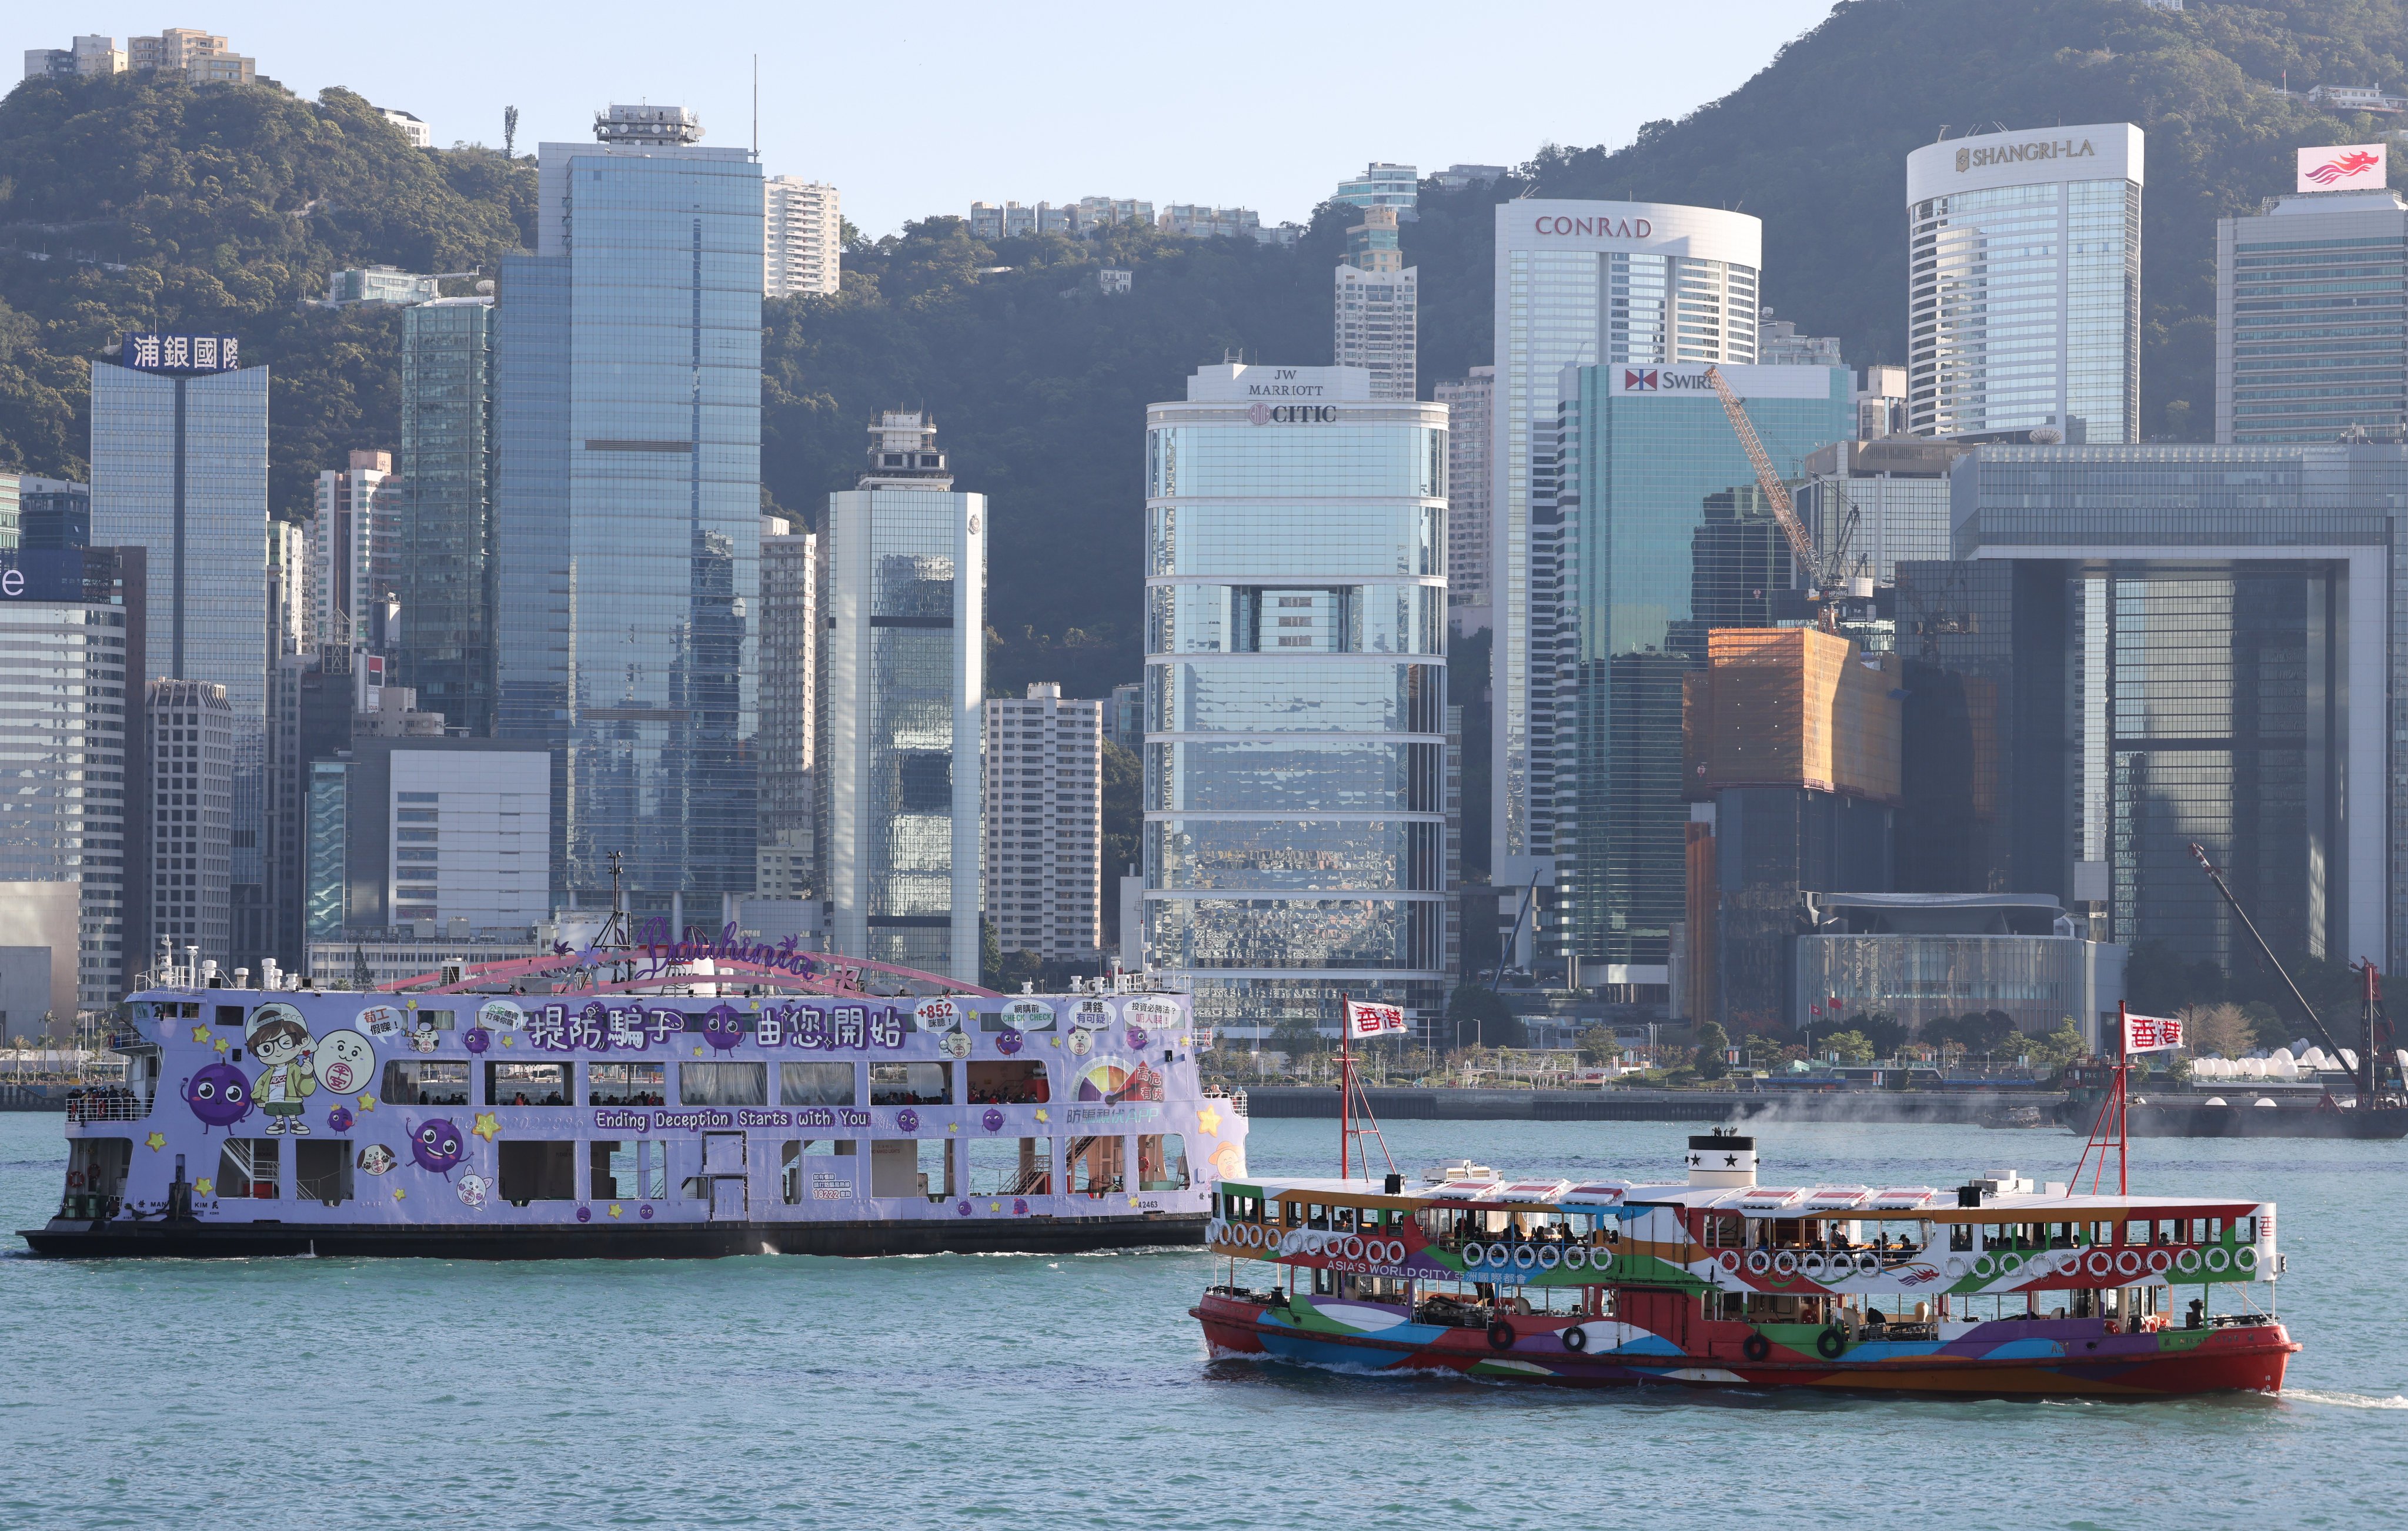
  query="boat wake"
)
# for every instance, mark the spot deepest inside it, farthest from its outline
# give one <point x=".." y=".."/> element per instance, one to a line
<point x="2342" y="1400"/>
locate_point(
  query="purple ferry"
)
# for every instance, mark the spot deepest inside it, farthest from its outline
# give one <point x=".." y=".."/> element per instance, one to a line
<point x="699" y="1108"/>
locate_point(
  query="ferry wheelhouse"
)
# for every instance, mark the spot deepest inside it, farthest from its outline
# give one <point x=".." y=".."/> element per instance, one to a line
<point x="654" y="1102"/>
<point x="1998" y="1287"/>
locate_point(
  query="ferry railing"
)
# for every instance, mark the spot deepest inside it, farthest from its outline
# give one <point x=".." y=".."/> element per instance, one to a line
<point x="106" y="1104"/>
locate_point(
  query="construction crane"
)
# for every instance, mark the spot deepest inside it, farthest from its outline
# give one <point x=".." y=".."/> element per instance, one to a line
<point x="1825" y="574"/>
<point x="2363" y="1076"/>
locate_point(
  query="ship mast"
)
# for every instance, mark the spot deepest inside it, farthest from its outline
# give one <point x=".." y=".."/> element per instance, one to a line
<point x="2363" y="1077"/>
<point x="1352" y="1095"/>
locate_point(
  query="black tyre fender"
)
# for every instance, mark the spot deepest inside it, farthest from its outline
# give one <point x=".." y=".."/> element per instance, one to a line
<point x="1575" y="1339"/>
<point x="1756" y="1346"/>
<point x="1831" y="1343"/>
<point x="1500" y="1335"/>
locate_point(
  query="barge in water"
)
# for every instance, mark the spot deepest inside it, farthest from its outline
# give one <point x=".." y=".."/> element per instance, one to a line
<point x="456" y="1121"/>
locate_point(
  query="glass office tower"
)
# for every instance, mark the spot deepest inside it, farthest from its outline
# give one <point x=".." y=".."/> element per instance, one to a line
<point x="1295" y="696"/>
<point x="628" y="424"/>
<point x="1668" y="536"/>
<point x="445" y="573"/>
<point x="180" y="469"/>
<point x="2024" y="285"/>
<point x="2312" y="319"/>
<point x="1583" y="283"/>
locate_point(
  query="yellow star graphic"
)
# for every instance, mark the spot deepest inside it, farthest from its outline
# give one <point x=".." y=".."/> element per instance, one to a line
<point x="697" y="1052"/>
<point x="509" y="1040"/>
<point x="1132" y="1201"/>
<point x="205" y="1187"/>
<point x="1041" y="1116"/>
<point x="398" y="1193"/>
<point x="221" y="1044"/>
<point x="952" y="1126"/>
<point x="1210" y="1121"/>
<point x="486" y="1126"/>
<point x="200" y="1034"/>
<point x="994" y="1207"/>
<point x="157" y="1140"/>
<point x="1052" y="1041"/>
<point x="614" y="1209"/>
<point x="367" y="1103"/>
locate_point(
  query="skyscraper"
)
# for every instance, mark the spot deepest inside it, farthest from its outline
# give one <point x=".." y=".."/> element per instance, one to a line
<point x="180" y="469"/>
<point x="1382" y="185"/>
<point x="1044" y="814"/>
<point x="802" y="238"/>
<point x="1377" y="306"/>
<point x="445" y="575"/>
<point x="628" y="429"/>
<point x="1668" y="538"/>
<point x="2311" y="324"/>
<point x="2024" y="285"/>
<point x="1295" y="836"/>
<point x="1469" y="439"/>
<point x="190" y="749"/>
<point x="1645" y="283"/>
<point x="902" y="672"/>
<point x="73" y="752"/>
<point x="789" y="647"/>
<point x="352" y="552"/>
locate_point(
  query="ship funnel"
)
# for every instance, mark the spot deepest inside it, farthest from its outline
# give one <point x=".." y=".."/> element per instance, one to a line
<point x="1722" y="1159"/>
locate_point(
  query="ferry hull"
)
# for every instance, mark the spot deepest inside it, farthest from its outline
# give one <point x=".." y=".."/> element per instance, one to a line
<point x="2239" y="1360"/>
<point x="120" y="1240"/>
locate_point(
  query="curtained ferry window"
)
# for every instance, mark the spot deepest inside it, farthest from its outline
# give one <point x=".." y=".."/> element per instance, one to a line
<point x="1012" y="1082"/>
<point x="527" y="1084"/>
<point x="1010" y="1166"/>
<point x="724" y="1084"/>
<point x="817" y="1084"/>
<point x="638" y="1169"/>
<point x="248" y="1167"/>
<point x="427" y="1083"/>
<point x="627" y="1084"/>
<point x="911" y="1084"/>
<point x="1162" y="1162"/>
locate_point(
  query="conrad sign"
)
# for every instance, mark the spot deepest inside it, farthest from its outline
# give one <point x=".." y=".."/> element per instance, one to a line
<point x="1595" y="228"/>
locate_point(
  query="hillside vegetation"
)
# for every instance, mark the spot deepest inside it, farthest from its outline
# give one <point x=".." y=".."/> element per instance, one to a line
<point x="225" y="206"/>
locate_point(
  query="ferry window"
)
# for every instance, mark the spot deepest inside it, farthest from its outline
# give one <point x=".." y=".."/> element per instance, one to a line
<point x="1095" y="1166"/>
<point x="935" y="1168"/>
<point x="322" y="1171"/>
<point x="624" y="1084"/>
<point x="534" y="1171"/>
<point x="427" y="1083"/>
<point x="246" y="1167"/>
<point x="1960" y="1236"/>
<point x="99" y="1165"/>
<point x="817" y="1169"/>
<point x="439" y="1020"/>
<point x="1162" y="1162"/>
<point x="1010" y="1166"/>
<point x="817" y="1084"/>
<point x="1015" y="1082"/>
<point x="526" y="1084"/>
<point x="2246" y="1229"/>
<point x="638" y="1170"/>
<point x="895" y="1167"/>
<point x="911" y="1084"/>
<point x="724" y="1084"/>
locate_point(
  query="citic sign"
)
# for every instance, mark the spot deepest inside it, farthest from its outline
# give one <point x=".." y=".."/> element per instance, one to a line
<point x="1596" y="228"/>
<point x="1292" y="414"/>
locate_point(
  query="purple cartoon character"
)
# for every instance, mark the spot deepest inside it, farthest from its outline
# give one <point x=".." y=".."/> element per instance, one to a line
<point x="723" y="1028"/>
<point x="219" y="1094"/>
<point x="435" y="1145"/>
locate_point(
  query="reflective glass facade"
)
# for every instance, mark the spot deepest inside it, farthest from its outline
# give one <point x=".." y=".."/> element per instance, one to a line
<point x="627" y="402"/>
<point x="1583" y="283"/>
<point x="2311" y="308"/>
<point x="2218" y="629"/>
<point x="1296" y="698"/>
<point x="2024" y="285"/>
<point x="1668" y="537"/>
<point x="445" y="573"/>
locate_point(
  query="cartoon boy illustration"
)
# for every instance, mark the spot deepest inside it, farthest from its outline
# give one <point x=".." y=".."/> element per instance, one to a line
<point x="279" y="1038"/>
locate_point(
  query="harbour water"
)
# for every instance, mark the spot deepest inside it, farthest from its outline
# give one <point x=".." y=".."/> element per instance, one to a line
<point x="947" y="1391"/>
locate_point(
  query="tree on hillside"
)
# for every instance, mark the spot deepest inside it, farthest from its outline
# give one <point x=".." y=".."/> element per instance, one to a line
<point x="1712" y="1043"/>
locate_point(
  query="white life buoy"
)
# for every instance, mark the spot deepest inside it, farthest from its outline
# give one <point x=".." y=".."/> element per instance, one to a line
<point x="2186" y="1262"/>
<point x="1955" y="1267"/>
<point x="2100" y="1262"/>
<point x="1293" y="1243"/>
<point x="1474" y="1254"/>
<point x="2217" y="1259"/>
<point x="1397" y="1253"/>
<point x="1352" y="1246"/>
<point x="1550" y="1257"/>
<point x="1729" y="1260"/>
<point x="1785" y="1262"/>
<point x="2009" y="1264"/>
<point x="2159" y="1262"/>
<point x="1575" y="1258"/>
<point x="1526" y="1258"/>
<point x="1758" y="1262"/>
<point x="1215" y="1231"/>
<point x="1868" y="1264"/>
<point x="1810" y="1263"/>
<point x="1985" y="1267"/>
<point x="2244" y="1258"/>
<point x="2128" y="1262"/>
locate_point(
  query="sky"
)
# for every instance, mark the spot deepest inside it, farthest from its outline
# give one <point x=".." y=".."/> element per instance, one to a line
<point x="921" y="108"/>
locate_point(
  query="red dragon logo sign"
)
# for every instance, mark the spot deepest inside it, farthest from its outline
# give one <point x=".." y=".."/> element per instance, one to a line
<point x="2348" y="167"/>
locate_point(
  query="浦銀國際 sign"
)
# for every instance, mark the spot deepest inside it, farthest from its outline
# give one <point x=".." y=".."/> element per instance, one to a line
<point x="147" y="350"/>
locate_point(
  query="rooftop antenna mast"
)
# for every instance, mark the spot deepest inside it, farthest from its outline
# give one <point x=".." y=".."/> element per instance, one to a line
<point x="756" y="105"/>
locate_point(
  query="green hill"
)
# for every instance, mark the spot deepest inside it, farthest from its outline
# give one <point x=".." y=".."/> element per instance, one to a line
<point x="226" y="206"/>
